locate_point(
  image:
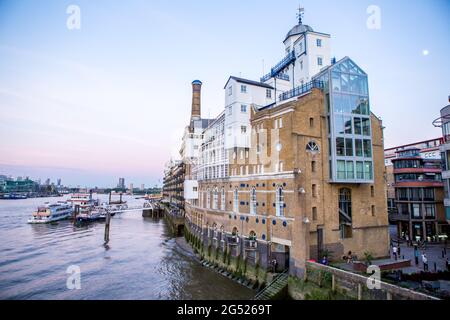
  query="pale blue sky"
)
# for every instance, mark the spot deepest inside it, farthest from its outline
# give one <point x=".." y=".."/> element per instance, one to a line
<point x="112" y="98"/>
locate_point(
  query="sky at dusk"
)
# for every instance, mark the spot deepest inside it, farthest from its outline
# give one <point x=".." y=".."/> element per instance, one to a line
<point x="112" y="99"/>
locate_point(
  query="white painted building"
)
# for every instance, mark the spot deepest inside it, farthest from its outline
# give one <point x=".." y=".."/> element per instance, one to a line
<point x="240" y="95"/>
<point x="307" y="52"/>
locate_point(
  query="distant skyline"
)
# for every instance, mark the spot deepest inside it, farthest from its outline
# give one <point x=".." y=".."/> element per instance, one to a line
<point x="112" y="99"/>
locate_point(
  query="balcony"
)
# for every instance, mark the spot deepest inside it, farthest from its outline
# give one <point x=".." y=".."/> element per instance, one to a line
<point x="250" y="244"/>
<point x="300" y="90"/>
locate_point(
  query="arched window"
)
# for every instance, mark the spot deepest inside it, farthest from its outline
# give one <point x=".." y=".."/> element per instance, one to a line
<point x="222" y="200"/>
<point x="253" y="201"/>
<point x="279" y="202"/>
<point x="345" y="213"/>
<point x="235" y="232"/>
<point x="208" y="199"/>
<point x="312" y="147"/>
<point x="236" y="201"/>
<point x="216" y="199"/>
<point x="252" y="235"/>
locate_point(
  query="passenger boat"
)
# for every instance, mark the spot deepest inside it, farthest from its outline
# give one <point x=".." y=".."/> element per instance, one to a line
<point x="52" y="212"/>
<point x="84" y="201"/>
<point x="95" y="214"/>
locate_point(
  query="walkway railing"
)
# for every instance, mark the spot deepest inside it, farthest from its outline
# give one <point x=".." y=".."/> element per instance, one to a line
<point x="301" y="90"/>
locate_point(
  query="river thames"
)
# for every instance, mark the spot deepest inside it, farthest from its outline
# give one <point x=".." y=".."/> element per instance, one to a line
<point x="141" y="261"/>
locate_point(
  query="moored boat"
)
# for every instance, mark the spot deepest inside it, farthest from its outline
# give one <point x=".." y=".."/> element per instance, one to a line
<point x="51" y="212"/>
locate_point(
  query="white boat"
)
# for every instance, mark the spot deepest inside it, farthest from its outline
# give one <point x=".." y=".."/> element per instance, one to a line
<point x="52" y="212"/>
<point x="84" y="201"/>
<point x="95" y="214"/>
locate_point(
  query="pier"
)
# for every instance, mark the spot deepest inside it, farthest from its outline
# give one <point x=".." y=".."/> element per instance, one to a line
<point x="152" y="210"/>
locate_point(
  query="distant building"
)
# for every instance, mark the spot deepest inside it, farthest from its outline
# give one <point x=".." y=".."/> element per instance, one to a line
<point x="59" y="182"/>
<point x="24" y="185"/>
<point x="121" y="184"/>
<point x="47" y="182"/>
<point x="418" y="195"/>
<point x="142" y="187"/>
<point x="444" y="123"/>
<point x="131" y="187"/>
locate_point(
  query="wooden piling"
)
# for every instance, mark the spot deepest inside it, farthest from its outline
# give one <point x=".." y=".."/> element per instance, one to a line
<point x="107" y="224"/>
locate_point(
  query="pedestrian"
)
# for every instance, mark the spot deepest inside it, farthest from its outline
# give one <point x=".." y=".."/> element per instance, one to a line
<point x="349" y="257"/>
<point x="416" y="255"/>
<point x="324" y="261"/>
<point x="398" y="249"/>
<point x="407" y="240"/>
<point x="425" y="262"/>
<point x="394" y="251"/>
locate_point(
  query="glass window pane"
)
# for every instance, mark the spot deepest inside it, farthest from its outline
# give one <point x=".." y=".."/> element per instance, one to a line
<point x="341" y="169"/>
<point x="349" y="147"/>
<point x="340" y="147"/>
<point x="350" y="170"/>
<point x="366" y="126"/>
<point x="345" y="83"/>
<point x="367" y="149"/>
<point x="359" y="148"/>
<point x="336" y="81"/>
<point x="359" y="170"/>
<point x="357" y="125"/>
<point x="339" y="124"/>
<point x="348" y="125"/>
<point x="368" y="170"/>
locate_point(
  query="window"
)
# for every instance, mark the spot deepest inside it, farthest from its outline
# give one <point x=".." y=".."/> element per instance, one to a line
<point x="368" y="170"/>
<point x="314" y="191"/>
<point x="429" y="211"/>
<point x="367" y="149"/>
<point x="243" y="108"/>
<point x="216" y="199"/>
<point x="340" y="147"/>
<point x="236" y="201"/>
<point x="313" y="166"/>
<point x="268" y="93"/>
<point x="359" y="148"/>
<point x="345" y="213"/>
<point x="279" y="202"/>
<point x="341" y="170"/>
<point x="243" y="129"/>
<point x="243" y="88"/>
<point x="416" y="212"/>
<point x="319" y="61"/>
<point x="357" y="124"/>
<point x="373" y="211"/>
<point x="311" y="122"/>
<point x="253" y="201"/>
<point x="350" y="170"/>
<point x="312" y="147"/>
<point x="222" y="200"/>
<point x="319" y="42"/>
<point x="230" y="91"/>
<point x="314" y="213"/>
<point x="301" y="65"/>
<point x="366" y="126"/>
<point x="208" y="199"/>
<point x="372" y="191"/>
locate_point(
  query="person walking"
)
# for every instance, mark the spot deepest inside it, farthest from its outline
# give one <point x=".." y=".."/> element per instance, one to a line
<point x="394" y="251"/>
<point x="425" y="262"/>
<point x="416" y="255"/>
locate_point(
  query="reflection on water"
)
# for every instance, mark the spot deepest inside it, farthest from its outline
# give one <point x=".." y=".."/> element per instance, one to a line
<point x="141" y="261"/>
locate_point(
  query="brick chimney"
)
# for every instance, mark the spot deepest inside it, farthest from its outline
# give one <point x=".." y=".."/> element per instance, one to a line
<point x="196" y="97"/>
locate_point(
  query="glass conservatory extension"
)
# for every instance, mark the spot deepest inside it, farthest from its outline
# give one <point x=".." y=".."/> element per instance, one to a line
<point x="349" y="127"/>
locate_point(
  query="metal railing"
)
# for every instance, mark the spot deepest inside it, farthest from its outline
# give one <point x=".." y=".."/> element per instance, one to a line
<point x="300" y="90"/>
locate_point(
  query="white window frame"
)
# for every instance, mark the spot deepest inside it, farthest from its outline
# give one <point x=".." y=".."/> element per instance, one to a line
<point x="279" y="202"/>
<point x="243" y="88"/>
<point x="222" y="200"/>
<point x="215" y="199"/>
<point x="236" y="200"/>
<point x="253" y="201"/>
<point x="243" y="108"/>
<point x="208" y="199"/>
